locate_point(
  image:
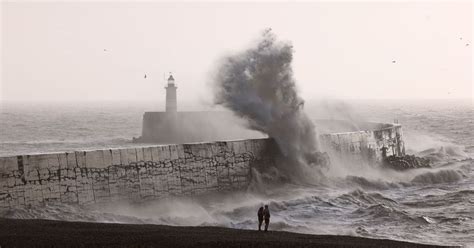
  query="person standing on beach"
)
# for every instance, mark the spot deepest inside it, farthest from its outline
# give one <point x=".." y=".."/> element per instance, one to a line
<point x="266" y="215"/>
<point x="260" y="218"/>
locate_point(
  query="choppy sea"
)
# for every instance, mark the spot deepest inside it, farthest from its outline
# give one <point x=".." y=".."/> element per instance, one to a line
<point x="433" y="206"/>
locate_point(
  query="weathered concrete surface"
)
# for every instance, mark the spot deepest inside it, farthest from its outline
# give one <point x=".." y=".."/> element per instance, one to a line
<point x="181" y="127"/>
<point x="366" y="140"/>
<point x="156" y="171"/>
<point x="134" y="173"/>
<point x="374" y="142"/>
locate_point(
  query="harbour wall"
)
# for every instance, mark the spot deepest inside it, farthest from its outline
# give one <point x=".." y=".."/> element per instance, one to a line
<point x="161" y="170"/>
<point x="198" y="126"/>
<point x="361" y="140"/>
<point x="136" y="173"/>
<point x="377" y="141"/>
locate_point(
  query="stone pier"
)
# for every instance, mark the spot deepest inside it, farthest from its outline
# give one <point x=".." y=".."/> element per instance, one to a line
<point x="134" y="173"/>
<point x="160" y="170"/>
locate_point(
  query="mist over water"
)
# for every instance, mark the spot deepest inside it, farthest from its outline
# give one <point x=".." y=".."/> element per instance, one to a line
<point x="422" y="205"/>
<point x="258" y="85"/>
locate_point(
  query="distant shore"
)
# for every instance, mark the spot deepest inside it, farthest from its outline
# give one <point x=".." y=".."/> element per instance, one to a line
<point x="48" y="233"/>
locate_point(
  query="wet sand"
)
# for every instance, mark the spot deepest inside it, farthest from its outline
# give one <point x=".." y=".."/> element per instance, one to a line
<point x="47" y="233"/>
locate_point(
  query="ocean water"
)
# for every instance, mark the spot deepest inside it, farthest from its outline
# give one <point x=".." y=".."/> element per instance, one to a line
<point x="434" y="206"/>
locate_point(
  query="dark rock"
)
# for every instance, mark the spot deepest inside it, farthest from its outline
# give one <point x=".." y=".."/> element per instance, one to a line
<point x="406" y="162"/>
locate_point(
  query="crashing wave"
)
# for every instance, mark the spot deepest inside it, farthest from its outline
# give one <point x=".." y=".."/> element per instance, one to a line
<point x="442" y="176"/>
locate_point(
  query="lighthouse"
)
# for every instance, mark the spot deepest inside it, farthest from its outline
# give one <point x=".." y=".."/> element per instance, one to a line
<point x="171" y="101"/>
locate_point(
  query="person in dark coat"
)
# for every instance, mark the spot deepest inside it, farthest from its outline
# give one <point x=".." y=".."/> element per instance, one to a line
<point x="266" y="216"/>
<point x="260" y="218"/>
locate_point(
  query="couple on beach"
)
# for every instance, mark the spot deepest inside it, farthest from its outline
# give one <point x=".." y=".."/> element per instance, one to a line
<point x="263" y="213"/>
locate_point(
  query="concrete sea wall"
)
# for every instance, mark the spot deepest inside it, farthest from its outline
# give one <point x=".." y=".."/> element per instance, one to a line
<point x="156" y="171"/>
<point x="373" y="145"/>
<point x="137" y="173"/>
<point x="186" y="127"/>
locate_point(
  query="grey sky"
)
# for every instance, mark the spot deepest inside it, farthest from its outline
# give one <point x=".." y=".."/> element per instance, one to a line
<point x="55" y="51"/>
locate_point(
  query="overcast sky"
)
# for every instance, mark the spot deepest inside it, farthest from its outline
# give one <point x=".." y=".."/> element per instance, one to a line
<point x="101" y="51"/>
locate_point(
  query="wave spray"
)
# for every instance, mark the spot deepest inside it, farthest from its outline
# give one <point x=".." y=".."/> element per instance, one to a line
<point x="258" y="85"/>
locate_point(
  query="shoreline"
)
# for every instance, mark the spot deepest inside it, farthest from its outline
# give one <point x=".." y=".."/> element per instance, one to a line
<point x="51" y="233"/>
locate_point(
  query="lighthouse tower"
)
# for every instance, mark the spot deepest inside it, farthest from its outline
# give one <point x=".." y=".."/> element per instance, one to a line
<point x="171" y="100"/>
